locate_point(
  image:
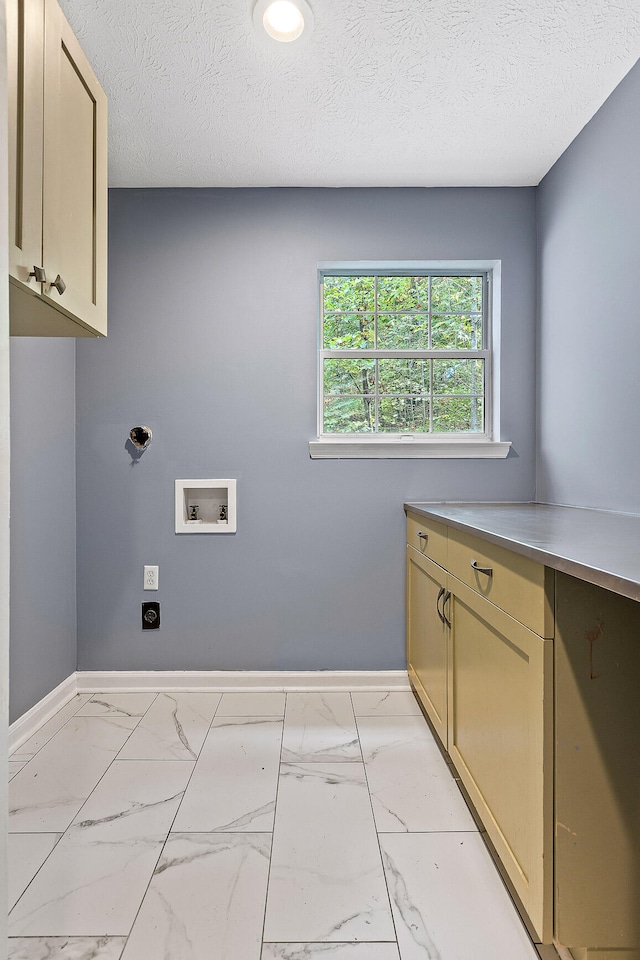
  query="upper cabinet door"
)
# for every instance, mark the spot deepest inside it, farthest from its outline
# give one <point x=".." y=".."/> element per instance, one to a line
<point x="74" y="204"/>
<point x="25" y="25"/>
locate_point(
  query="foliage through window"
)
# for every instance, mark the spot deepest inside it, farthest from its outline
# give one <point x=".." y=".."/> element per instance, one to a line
<point x="404" y="354"/>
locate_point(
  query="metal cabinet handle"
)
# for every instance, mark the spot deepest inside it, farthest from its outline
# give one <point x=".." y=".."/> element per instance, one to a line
<point x="59" y="284"/>
<point x="442" y="590"/>
<point x="445" y="619"/>
<point x="39" y="274"/>
<point x="423" y="536"/>
<point x="486" y="570"/>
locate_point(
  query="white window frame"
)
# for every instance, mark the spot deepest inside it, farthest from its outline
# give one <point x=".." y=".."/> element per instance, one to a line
<point x="416" y="446"/>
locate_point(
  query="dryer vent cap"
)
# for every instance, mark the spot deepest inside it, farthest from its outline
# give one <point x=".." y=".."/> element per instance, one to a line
<point x="140" y="437"/>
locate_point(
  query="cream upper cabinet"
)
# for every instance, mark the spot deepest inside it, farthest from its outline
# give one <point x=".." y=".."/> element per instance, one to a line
<point x="25" y="68"/>
<point x="58" y="178"/>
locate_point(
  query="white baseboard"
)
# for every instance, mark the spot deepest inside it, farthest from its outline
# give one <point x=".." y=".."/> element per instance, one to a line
<point x="26" y="725"/>
<point x="216" y="681"/>
<point x="220" y="681"/>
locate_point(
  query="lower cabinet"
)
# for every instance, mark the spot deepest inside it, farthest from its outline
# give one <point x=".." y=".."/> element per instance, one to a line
<point x="427" y="637"/>
<point x="597" y="782"/>
<point x="530" y="679"/>
<point x="485" y="681"/>
<point x="500" y="738"/>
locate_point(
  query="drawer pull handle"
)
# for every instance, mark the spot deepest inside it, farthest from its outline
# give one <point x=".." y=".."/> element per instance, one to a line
<point x="423" y="536"/>
<point x="59" y="284"/>
<point x="486" y="570"/>
<point x="442" y="590"/>
<point x="39" y="274"/>
<point x="445" y="619"/>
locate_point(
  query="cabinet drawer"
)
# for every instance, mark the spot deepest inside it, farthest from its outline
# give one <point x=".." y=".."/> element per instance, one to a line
<point x="516" y="584"/>
<point x="428" y="537"/>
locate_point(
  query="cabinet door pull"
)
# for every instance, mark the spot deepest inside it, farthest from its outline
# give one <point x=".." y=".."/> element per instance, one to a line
<point x="487" y="570"/>
<point x="39" y="274"/>
<point x="423" y="536"/>
<point x="59" y="284"/>
<point x="445" y="619"/>
<point x="442" y="590"/>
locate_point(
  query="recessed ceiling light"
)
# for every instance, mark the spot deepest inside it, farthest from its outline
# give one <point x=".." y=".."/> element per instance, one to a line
<point x="283" y="20"/>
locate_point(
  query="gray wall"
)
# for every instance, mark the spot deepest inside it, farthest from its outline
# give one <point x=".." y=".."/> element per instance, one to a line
<point x="43" y="527"/>
<point x="589" y="338"/>
<point x="212" y="343"/>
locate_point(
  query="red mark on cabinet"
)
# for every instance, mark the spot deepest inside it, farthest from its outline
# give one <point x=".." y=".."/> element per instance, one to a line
<point x="591" y="636"/>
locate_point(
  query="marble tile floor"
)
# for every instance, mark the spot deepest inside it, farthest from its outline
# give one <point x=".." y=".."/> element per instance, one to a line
<point x="248" y="826"/>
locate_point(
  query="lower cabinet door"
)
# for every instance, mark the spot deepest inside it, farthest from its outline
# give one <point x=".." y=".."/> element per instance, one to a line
<point x="427" y="637"/>
<point x="501" y="741"/>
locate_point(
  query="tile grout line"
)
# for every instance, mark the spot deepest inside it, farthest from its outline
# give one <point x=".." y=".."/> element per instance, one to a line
<point x="273" y="829"/>
<point x="97" y="784"/>
<point x="74" y="716"/>
<point x="66" y="829"/>
<point x="166" y="839"/>
<point x="37" y="834"/>
<point x="16" y="752"/>
<point x="152" y="704"/>
<point x="117" y="713"/>
<point x="115" y="758"/>
<point x="477" y="831"/>
<point x="375" y="827"/>
<point x="427" y="833"/>
<point x="214" y="833"/>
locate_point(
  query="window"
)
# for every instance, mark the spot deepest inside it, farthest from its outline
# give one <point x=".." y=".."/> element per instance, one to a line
<point x="405" y="355"/>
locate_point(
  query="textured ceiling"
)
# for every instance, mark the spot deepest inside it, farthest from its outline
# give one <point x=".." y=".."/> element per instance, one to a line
<point x="383" y="93"/>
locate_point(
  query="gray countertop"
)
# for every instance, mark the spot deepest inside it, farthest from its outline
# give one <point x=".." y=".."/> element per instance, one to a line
<point x="593" y="545"/>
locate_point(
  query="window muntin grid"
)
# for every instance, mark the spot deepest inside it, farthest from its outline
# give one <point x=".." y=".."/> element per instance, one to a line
<point x="438" y="331"/>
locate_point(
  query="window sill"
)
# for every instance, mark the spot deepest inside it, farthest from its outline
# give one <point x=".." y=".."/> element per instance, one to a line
<point x="348" y="448"/>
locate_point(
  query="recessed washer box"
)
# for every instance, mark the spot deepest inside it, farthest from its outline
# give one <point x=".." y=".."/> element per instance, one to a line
<point x="205" y="506"/>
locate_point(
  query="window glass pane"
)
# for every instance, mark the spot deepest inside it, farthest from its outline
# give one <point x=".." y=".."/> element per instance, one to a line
<point x="458" y="415"/>
<point x="349" y="293"/>
<point x="401" y="332"/>
<point x="397" y="294"/>
<point x="349" y="376"/>
<point x="403" y="414"/>
<point x="393" y="394"/>
<point x="455" y="332"/>
<point x="348" y="331"/>
<point x="456" y="294"/>
<point x="349" y="415"/>
<point x="403" y="376"/>
<point x="458" y="376"/>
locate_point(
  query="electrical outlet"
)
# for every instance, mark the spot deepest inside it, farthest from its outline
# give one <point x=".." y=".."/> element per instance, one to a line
<point x="150" y="578"/>
<point x="150" y="615"/>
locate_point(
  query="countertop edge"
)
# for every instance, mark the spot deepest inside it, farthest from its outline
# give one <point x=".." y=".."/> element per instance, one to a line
<point x="600" y="577"/>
